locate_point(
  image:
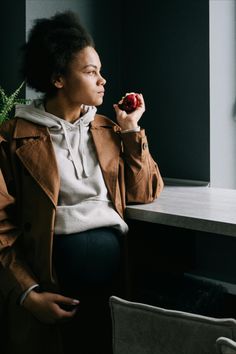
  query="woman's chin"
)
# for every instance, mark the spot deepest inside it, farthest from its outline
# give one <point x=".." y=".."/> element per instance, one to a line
<point x="99" y="102"/>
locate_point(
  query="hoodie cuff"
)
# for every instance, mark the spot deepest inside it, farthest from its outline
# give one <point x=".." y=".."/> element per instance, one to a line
<point x="130" y="130"/>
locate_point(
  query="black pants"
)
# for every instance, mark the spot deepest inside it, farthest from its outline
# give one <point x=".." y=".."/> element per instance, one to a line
<point x="88" y="266"/>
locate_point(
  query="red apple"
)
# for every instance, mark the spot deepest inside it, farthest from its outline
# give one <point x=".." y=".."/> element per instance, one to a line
<point x="129" y="102"/>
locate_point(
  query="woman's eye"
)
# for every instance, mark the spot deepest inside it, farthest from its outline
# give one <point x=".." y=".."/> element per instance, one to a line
<point x="93" y="72"/>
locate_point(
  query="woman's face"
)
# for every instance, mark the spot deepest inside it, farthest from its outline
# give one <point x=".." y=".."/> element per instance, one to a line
<point x="83" y="83"/>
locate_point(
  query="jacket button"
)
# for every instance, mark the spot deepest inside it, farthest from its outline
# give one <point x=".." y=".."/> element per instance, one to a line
<point x="27" y="226"/>
<point x="145" y="145"/>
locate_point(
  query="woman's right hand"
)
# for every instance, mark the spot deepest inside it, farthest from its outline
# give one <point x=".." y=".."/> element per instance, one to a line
<point x="47" y="307"/>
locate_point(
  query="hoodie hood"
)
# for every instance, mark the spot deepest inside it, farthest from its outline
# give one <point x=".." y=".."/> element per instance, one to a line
<point x="35" y="112"/>
<point x="73" y="134"/>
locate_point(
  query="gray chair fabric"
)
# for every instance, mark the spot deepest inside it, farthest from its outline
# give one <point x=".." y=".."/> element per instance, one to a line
<point x="144" y="329"/>
<point x="225" y="346"/>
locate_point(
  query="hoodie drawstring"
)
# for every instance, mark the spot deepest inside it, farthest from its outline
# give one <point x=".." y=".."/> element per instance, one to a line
<point x="81" y="150"/>
<point x="77" y="165"/>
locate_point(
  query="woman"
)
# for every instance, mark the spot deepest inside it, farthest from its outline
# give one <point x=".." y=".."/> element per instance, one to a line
<point x="66" y="176"/>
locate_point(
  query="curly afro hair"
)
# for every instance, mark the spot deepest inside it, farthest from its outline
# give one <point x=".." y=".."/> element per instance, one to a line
<point x="51" y="44"/>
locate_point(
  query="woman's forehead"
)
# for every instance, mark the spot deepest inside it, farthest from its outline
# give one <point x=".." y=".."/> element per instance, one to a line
<point x="86" y="57"/>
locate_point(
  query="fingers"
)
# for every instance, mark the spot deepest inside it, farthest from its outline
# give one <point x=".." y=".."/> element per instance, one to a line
<point x="47" y="307"/>
<point x="141" y="105"/>
<point x="118" y="110"/>
<point x="66" y="313"/>
<point x="67" y="307"/>
<point x="67" y="304"/>
<point x="65" y="300"/>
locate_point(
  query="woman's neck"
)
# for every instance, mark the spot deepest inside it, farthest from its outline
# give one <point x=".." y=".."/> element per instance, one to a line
<point x="61" y="109"/>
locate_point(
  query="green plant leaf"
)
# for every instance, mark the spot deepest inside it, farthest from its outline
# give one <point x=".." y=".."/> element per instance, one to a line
<point x="8" y="102"/>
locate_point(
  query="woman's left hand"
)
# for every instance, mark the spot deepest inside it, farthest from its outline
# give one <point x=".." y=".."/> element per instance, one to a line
<point x="130" y="120"/>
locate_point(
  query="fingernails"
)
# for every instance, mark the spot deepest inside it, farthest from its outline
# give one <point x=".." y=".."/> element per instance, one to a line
<point x="75" y="302"/>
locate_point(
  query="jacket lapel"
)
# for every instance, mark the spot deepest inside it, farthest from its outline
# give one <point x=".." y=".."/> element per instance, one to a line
<point x="37" y="155"/>
<point x="107" y="144"/>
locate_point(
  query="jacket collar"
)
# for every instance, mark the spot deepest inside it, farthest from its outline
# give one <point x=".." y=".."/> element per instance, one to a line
<point x="25" y="129"/>
<point x="101" y="121"/>
<point x="38" y="157"/>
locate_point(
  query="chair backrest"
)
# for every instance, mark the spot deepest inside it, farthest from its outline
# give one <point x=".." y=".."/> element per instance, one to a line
<point x="144" y="329"/>
<point x="225" y="346"/>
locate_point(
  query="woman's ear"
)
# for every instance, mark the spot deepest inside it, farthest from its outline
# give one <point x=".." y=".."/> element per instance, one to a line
<point x="58" y="82"/>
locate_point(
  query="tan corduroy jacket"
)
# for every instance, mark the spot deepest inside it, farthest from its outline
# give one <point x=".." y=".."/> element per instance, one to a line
<point x="29" y="188"/>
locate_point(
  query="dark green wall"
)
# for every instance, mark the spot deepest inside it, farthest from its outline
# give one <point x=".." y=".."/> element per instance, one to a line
<point x="166" y="57"/>
<point x="106" y="31"/>
<point x="12" y="29"/>
<point x="160" y="49"/>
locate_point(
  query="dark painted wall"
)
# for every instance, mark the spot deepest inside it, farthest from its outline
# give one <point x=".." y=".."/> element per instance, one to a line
<point x="106" y="31"/>
<point x="12" y="29"/>
<point x="166" y="57"/>
<point x="160" y="49"/>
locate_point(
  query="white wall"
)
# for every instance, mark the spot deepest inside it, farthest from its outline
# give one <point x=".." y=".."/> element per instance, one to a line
<point x="222" y="93"/>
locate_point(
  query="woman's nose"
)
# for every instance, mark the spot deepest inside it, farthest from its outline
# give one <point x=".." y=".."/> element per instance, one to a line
<point x="102" y="81"/>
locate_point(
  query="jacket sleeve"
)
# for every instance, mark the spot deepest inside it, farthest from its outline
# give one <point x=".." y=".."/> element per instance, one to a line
<point x="14" y="272"/>
<point x="142" y="176"/>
